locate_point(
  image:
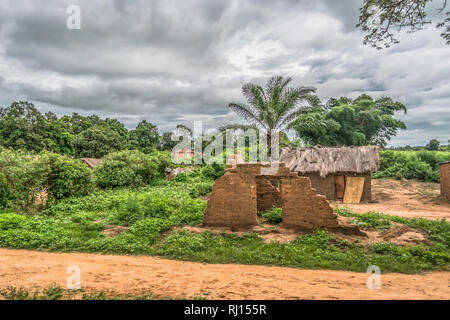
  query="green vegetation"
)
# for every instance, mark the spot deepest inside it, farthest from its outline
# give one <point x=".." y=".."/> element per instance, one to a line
<point x="23" y="176"/>
<point x="420" y="165"/>
<point x="81" y="224"/>
<point x="273" y="216"/>
<point x="350" y="122"/>
<point x="131" y="168"/>
<point x="56" y="292"/>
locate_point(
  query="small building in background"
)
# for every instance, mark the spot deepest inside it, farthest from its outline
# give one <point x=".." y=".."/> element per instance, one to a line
<point x="183" y="154"/>
<point x="338" y="173"/>
<point x="444" y="169"/>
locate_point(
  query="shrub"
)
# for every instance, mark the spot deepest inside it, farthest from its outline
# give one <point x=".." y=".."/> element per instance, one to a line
<point x="23" y="176"/>
<point x="131" y="168"/>
<point x="213" y="171"/>
<point x="68" y="177"/>
<point x="200" y="189"/>
<point x="398" y="164"/>
<point x="273" y="216"/>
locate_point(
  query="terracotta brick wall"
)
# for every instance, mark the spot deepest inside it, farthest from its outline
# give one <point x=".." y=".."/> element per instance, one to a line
<point x="445" y="180"/>
<point x="303" y="208"/>
<point x="234" y="200"/>
<point x="324" y="186"/>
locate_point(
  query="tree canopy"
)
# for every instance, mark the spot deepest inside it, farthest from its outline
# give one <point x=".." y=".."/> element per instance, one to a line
<point x="361" y="121"/>
<point x="380" y="19"/>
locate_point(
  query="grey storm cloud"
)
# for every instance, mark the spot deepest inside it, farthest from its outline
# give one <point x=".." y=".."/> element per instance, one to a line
<point x="173" y="62"/>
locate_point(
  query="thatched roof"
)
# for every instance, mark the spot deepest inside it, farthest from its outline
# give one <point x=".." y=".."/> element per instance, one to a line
<point x="91" y="162"/>
<point x="325" y="160"/>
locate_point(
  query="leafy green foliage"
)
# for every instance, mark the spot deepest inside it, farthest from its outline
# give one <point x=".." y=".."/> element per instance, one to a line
<point x="77" y="224"/>
<point x="22" y="126"/>
<point x="23" y="176"/>
<point x="145" y="137"/>
<point x="97" y="142"/>
<point x="273" y="216"/>
<point x="213" y="171"/>
<point x="420" y="165"/>
<point x="131" y="168"/>
<point x="372" y="220"/>
<point x="350" y="122"/>
<point x="380" y="19"/>
<point x="56" y="292"/>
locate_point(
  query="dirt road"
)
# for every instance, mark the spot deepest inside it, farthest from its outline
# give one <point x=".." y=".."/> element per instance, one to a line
<point x="120" y="275"/>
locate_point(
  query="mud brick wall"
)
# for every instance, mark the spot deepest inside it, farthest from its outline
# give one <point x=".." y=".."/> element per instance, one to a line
<point x="445" y="180"/>
<point x="232" y="202"/>
<point x="324" y="186"/>
<point x="367" y="191"/>
<point x="267" y="195"/>
<point x="303" y="208"/>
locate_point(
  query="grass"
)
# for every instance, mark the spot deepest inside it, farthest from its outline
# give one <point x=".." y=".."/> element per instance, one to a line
<point x="56" y="292"/>
<point x="77" y="224"/>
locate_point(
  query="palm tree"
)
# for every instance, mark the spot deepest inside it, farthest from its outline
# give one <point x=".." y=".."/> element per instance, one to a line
<point x="274" y="107"/>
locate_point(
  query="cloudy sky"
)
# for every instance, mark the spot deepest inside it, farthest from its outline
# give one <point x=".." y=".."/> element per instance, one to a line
<point x="180" y="61"/>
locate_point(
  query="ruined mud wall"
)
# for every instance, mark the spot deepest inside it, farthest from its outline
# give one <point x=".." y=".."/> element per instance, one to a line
<point x="445" y="180"/>
<point x="234" y="200"/>
<point x="326" y="186"/>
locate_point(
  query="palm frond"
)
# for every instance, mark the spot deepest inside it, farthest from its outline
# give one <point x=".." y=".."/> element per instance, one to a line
<point x="246" y="113"/>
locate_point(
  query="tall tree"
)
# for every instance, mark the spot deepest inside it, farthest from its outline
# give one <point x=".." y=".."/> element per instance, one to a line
<point x="274" y="107"/>
<point x="22" y="126"/>
<point x="352" y="122"/>
<point x="433" y="145"/>
<point x="97" y="142"/>
<point x="145" y="137"/>
<point x="379" y="18"/>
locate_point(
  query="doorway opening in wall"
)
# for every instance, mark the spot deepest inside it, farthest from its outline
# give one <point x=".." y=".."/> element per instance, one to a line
<point x="269" y="201"/>
<point x="339" y="187"/>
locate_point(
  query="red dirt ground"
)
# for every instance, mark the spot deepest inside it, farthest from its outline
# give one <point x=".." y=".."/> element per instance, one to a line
<point x="405" y="198"/>
<point x="121" y="275"/>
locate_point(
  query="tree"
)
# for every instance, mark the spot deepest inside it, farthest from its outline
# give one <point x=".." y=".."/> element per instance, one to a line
<point x="274" y="107"/>
<point x="358" y="122"/>
<point x="433" y="145"/>
<point x="22" y="126"/>
<point x="167" y="144"/>
<point x="145" y="137"/>
<point x="379" y="17"/>
<point x="97" y="142"/>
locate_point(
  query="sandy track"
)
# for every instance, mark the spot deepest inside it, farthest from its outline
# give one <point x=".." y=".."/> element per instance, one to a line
<point x="119" y="275"/>
<point x="406" y="198"/>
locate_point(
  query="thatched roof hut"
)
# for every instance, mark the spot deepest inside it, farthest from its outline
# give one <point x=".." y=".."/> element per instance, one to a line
<point x="92" y="163"/>
<point x="329" y="160"/>
<point x="335" y="171"/>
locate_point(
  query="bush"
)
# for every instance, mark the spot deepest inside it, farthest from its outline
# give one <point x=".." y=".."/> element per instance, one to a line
<point x="23" y="176"/>
<point x="68" y="177"/>
<point x="200" y="189"/>
<point x="131" y="168"/>
<point x="421" y="165"/>
<point x="273" y="216"/>
<point x="213" y="171"/>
